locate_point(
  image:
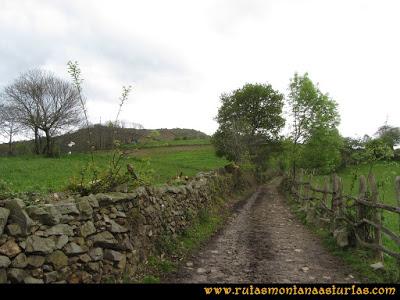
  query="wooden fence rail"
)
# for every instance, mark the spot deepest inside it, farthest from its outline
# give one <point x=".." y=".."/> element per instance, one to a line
<point x="350" y="218"/>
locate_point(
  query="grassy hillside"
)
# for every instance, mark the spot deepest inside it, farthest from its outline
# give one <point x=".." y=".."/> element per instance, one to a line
<point x="102" y="137"/>
<point x="38" y="174"/>
<point x="168" y="143"/>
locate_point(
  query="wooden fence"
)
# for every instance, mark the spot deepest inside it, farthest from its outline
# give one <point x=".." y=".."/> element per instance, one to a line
<point x="351" y="220"/>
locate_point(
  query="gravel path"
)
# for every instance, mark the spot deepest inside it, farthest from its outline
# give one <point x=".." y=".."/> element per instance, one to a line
<point x="263" y="243"/>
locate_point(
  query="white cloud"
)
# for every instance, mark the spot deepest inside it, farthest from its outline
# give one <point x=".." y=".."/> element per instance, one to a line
<point x="181" y="55"/>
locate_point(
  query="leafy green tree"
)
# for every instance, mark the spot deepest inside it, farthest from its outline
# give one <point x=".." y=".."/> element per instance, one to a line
<point x="229" y="144"/>
<point x="365" y="151"/>
<point x="396" y="155"/>
<point x="312" y="112"/>
<point x="390" y="135"/>
<point x="377" y="150"/>
<point x="283" y="159"/>
<point x="322" y="150"/>
<point x="351" y="151"/>
<point x="250" y="118"/>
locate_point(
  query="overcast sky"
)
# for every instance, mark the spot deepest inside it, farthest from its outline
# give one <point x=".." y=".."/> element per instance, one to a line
<point x="179" y="56"/>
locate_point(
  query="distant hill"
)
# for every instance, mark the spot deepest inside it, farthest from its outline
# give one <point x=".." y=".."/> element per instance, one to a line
<point x="102" y="137"/>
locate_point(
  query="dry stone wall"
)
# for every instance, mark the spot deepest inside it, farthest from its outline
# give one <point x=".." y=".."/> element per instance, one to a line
<point x="98" y="237"/>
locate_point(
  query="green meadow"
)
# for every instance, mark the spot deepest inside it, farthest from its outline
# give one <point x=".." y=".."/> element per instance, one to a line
<point x="40" y="174"/>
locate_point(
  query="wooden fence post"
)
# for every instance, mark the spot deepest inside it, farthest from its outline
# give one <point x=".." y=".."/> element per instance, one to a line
<point x="340" y="202"/>
<point x="397" y="184"/>
<point x="361" y="209"/>
<point x="335" y="188"/>
<point x="376" y="216"/>
<point x="297" y="179"/>
<point x="302" y="187"/>
<point x="306" y="190"/>
<point x="312" y="202"/>
<point x="325" y="195"/>
<point x="325" y="198"/>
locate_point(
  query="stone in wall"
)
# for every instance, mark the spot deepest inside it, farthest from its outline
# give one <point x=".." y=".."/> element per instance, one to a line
<point x="19" y="215"/>
<point x="4" y="213"/>
<point x="47" y="215"/>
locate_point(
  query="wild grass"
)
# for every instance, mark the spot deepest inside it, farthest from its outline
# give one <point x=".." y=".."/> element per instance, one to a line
<point x="203" y="227"/>
<point x="39" y="174"/>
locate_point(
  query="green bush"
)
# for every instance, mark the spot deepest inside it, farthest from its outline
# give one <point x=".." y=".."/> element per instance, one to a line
<point x="286" y="184"/>
<point x="396" y="155"/>
<point x="322" y="151"/>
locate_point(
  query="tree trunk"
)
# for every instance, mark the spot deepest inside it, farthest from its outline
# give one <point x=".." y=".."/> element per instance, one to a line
<point x="37" y="147"/>
<point x="10" y="150"/>
<point x="294" y="157"/>
<point x="48" y="148"/>
<point x="40" y="144"/>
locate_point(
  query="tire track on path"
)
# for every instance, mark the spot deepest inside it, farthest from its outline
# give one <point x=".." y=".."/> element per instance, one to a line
<point x="263" y="242"/>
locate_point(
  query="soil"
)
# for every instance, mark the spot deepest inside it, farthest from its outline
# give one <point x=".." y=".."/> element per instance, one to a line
<point x="263" y="242"/>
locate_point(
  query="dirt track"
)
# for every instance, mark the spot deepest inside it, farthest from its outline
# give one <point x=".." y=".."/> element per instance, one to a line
<point x="263" y="243"/>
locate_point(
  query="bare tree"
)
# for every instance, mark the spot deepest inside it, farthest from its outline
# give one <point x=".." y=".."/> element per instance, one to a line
<point x="135" y="125"/>
<point x="1" y="114"/>
<point x="44" y="102"/>
<point x="9" y="127"/>
<point x="22" y="94"/>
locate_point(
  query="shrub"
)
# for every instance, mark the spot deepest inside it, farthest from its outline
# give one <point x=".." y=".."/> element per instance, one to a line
<point x="5" y="190"/>
<point x="396" y="155"/>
